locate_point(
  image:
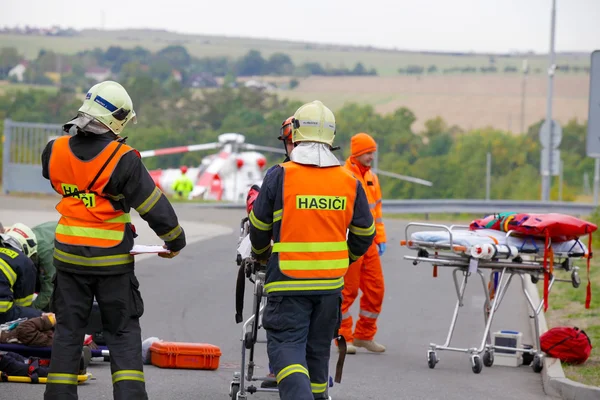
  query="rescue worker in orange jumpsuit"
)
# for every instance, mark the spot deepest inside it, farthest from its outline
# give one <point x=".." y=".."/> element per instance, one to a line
<point x="307" y="205"/>
<point x="100" y="179"/>
<point x="366" y="273"/>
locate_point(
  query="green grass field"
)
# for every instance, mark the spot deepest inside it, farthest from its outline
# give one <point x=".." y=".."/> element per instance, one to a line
<point x="386" y="62"/>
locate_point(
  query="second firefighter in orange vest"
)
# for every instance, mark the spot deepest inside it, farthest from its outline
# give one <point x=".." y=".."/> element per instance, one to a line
<point x="366" y="273"/>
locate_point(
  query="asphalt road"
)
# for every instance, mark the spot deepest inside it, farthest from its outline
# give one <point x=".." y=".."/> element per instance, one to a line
<point x="191" y="299"/>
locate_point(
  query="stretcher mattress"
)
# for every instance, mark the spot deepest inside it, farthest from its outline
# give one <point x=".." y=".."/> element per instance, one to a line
<point x="470" y="238"/>
<point x="41" y="352"/>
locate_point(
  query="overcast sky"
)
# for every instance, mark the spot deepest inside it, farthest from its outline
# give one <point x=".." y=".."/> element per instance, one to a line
<point x="447" y="25"/>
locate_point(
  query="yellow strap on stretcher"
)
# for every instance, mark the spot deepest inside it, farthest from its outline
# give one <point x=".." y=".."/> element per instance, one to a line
<point x="26" y="379"/>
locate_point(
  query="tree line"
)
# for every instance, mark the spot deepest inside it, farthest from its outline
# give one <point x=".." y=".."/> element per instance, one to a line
<point x="452" y="158"/>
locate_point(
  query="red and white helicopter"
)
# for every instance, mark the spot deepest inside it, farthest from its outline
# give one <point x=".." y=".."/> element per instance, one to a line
<point x="228" y="174"/>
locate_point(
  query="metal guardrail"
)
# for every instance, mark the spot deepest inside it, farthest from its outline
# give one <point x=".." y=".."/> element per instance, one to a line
<point x="467" y="206"/>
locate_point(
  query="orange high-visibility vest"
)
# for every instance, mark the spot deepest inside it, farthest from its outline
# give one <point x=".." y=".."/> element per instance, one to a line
<point x="87" y="216"/>
<point x="318" y="204"/>
<point x="370" y="184"/>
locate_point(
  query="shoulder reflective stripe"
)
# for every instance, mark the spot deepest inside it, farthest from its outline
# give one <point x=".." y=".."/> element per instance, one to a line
<point x="174" y="234"/>
<point x="282" y="286"/>
<point x="65" y="379"/>
<point x="260" y="251"/>
<point x="379" y="220"/>
<point x="25" y="301"/>
<point x="8" y="272"/>
<point x="309" y="247"/>
<point x="258" y="224"/>
<point x="318" y="387"/>
<point x="363" y="231"/>
<point x="277" y="215"/>
<point x="313" y="265"/>
<point x="291" y="369"/>
<point x="105" y="261"/>
<point x="96" y="233"/>
<point x="372" y="205"/>
<point x="128" y="375"/>
<point x="149" y="203"/>
<point x="125" y="218"/>
<point x="5" y="306"/>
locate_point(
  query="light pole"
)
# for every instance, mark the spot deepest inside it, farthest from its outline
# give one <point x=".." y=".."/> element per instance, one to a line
<point x="547" y="170"/>
<point x="523" y="88"/>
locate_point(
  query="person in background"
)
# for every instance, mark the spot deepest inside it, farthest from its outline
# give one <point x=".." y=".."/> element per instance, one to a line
<point x="183" y="185"/>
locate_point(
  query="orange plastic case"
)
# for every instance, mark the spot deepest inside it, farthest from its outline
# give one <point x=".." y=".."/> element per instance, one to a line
<point x="185" y="355"/>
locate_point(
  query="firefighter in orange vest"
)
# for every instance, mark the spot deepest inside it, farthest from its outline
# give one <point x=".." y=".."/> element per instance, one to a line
<point x="319" y="219"/>
<point x="100" y="179"/>
<point x="366" y="273"/>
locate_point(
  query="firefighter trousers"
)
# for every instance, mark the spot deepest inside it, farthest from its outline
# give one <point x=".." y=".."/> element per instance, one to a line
<point x="365" y="274"/>
<point x="299" y="334"/>
<point x="121" y="306"/>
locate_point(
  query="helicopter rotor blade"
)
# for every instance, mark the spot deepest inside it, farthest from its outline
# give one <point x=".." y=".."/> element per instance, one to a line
<point x="404" y="177"/>
<point x="250" y="146"/>
<point x="180" y="149"/>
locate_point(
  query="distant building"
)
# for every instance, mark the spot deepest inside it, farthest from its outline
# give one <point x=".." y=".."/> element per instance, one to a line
<point x="202" y="80"/>
<point x="98" y="73"/>
<point x="18" y="71"/>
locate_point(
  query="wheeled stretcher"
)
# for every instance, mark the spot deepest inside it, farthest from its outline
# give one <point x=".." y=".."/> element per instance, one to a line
<point x="504" y="255"/>
<point x="252" y="270"/>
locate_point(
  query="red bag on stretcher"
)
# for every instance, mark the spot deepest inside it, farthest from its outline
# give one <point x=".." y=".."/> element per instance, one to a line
<point x="558" y="227"/>
<point x="553" y="227"/>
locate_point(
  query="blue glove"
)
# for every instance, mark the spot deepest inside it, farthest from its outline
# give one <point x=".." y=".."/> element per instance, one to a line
<point x="381" y="248"/>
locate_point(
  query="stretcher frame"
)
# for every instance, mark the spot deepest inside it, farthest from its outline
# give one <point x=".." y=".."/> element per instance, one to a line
<point x="459" y="258"/>
<point x="255" y="272"/>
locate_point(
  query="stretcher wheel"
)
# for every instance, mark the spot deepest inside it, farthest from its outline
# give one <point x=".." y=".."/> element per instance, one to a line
<point x="476" y="364"/>
<point x="537" y="363"/>
<point x="248" y="340"/>
<point x="488" y="358"/>
<point x="575" y="280"/>
<point x="432" y="359"/>
<point x="534" y="279"/>
<point x="235" y="388"/>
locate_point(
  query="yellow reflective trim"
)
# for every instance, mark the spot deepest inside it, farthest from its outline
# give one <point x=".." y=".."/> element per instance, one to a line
<point x="5" y="306"/>
<point x="322" y="284"/>
<point x="65" y="379"/>
<point x="128" y="375"/>
<point x="172" y="235"/>
<point x="277" y="215"/>
<point x="261" y="250"/>
<point x="125" y="218"/>
<point x="311" y="265"/>
<point x="352" y="256"/>
<point x="150" y="202"/>
<point x="309" y="247"/>
<point x="104" y="261"/>
<point x="25" y="301"/>
<point x="318" y="387"/>
<point x="95" y="233"/>
<point x="8" y="252"/>
<point x="257" y="223"/>
<point x="8" y="272"/>
<point x="291" y="369"/>
<point x="363" y="231"/>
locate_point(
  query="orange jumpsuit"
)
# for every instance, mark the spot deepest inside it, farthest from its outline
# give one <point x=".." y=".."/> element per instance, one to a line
<point x="365" y="273"/>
